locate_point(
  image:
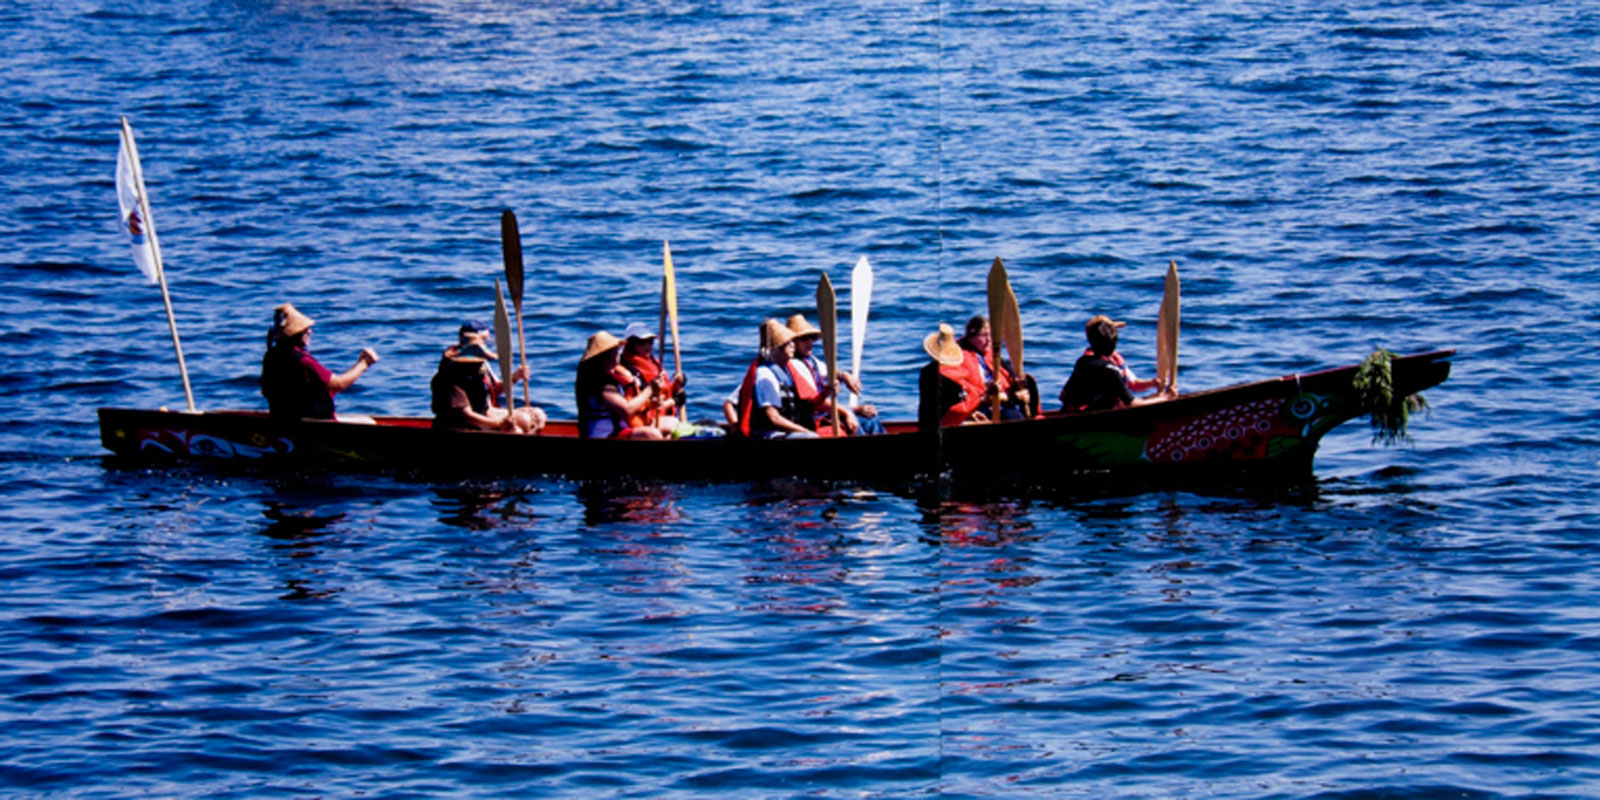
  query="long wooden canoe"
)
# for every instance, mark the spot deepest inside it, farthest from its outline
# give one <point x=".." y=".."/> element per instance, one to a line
<point x="1268" y="428"/>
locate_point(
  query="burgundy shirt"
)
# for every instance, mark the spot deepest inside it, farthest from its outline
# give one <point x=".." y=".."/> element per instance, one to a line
<point x="295" y="385"/>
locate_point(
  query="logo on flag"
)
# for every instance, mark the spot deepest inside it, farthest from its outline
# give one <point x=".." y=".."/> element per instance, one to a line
<point x="134" y="228"/>
<point x="130" y="200"/>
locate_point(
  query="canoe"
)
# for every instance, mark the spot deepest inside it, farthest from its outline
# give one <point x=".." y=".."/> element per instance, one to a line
<point x="1268" y="428"/>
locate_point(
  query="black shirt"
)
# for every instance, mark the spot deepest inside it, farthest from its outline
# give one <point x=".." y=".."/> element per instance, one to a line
<point x="1095" y="384"/>
<point x="458" y="386"/>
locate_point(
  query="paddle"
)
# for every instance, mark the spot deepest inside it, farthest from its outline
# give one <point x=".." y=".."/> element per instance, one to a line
<point x="860" y="303"/>
<point x="999" y="298"/>
<point x="511" y="246"/>
<point x="502" y="342"/>
<point x="669" y="302"/>
<point x="828" y="316"/>
<point x="1013" y="334"/>
<point x="1167" y="331"/>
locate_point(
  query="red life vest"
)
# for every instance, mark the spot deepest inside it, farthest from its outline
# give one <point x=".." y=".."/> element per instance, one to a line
<point x="807" y="388"/>
<point x="753" y="421"/>
<point x="969" y="376"/>
<point x="747" y="397"/>
<point x="646" y="368"/>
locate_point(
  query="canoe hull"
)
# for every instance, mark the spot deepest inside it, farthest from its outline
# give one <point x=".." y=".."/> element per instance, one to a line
<point x="1269" y="428"/>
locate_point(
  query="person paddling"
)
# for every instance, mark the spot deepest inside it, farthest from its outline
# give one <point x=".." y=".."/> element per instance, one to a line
<point x="612" y="402"/>
<point x="1019" y="395"/>
<point x="295" y="384"/>
<point x="1101" y="378"/>
<point x="769" y="405"/>
<point x="813" y="386"/>
<point x="951" y="389"/>
<point x="638" y="356"/>
<point x="466" y="392"/>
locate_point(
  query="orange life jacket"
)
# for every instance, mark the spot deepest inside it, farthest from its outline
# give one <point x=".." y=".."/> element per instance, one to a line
<point x="969" y="376"/>
<point x="647" y="369"/>
<point x="630" y="386"/>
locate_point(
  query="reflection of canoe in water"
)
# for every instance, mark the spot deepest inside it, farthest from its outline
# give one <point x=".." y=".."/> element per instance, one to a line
<point x="1268" y="428"/>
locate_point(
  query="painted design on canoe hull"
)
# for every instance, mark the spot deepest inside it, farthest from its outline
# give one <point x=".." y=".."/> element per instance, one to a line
<point x="188" y="443"/>
<point x="1248" y="431"/>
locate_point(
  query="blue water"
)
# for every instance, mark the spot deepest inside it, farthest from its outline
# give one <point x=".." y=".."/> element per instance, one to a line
<point x="1418" y="622"/>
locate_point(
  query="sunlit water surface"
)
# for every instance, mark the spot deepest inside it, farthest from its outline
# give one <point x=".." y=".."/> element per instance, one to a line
<point x="1419" y="622"/>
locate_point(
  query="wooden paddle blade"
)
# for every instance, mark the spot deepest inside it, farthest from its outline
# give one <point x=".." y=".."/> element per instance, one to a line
<point x="828" y="320"/>
<point x="1013" y="329"/>
<point x="999" y="297"/>
<point x="502" y="341"/>
<point x="860" y="304"/>
<point x="828" y="317"/>
<point x="669" y="294"/>
<point x="999" y="294"/>
<point x="511" y="248"/>
<point x="1167" y="330"/>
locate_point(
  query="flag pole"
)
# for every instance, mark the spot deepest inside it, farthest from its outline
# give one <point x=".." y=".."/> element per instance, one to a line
<point x="155" y="250"/>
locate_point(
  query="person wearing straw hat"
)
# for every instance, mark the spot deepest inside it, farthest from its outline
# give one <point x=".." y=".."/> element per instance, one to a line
<point x="951" y="391"/>
<point x="812" y="384"/>
<point x="295" y="384"/>
<point x="612" y="402"/>
<point x="1101" y="378"/>
<point x="466" y="391"/>
<point x="769" y="405"/>
<point x="1019" y="397"/>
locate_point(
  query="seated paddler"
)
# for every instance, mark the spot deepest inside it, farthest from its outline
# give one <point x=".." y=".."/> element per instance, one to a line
<point x="295" y="384"/>
<point x="467" y="393"/>
<point x="770" y="405"/>
<point x="813" y="385"/>
<point x="639" y="357"/>
<point x="1019" y="394"/>
<point x="613" y="403"/>
<point x="1101" y="378"/>
<point x="950" y="389"/>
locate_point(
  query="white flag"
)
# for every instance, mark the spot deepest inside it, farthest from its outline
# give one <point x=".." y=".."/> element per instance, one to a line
<point x="135" y="222"/>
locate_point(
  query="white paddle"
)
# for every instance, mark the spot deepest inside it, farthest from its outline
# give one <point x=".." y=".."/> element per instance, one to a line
<point x="860" y="304"/>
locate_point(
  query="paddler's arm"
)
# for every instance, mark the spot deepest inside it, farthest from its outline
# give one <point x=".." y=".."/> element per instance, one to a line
<point x="487" y="423"/>
<point x="612" y="396"/>
<point x="851" y="383"/>
<point x="346" y="379"/>
<point x="1136" y="384"/>
<point x="781" y="422"/>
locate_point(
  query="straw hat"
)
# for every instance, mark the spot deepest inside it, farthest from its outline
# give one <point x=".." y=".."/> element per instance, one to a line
<point x="288" y="321"/>
<point x="775" y="335"/>
<point x="599" y="343"/>
<point x="474" y="353"/>
<point x="942" y="346"/>
<point x="798" y="324"/>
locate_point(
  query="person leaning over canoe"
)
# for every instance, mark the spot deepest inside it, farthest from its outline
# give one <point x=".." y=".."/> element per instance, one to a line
<point x="770" y="406"/>
<point x="612" y="402"/>
<point x="638" y="356"/>
<point x="951" y="390"/>
<point x="1019" y="398"/>
<point x="1101" y="379"/>
<point x="812" y="385"/>
<point x="295" y="384"/>
<point x="465" y="391"/>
